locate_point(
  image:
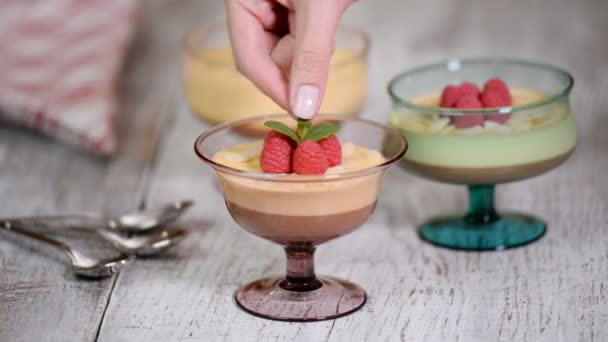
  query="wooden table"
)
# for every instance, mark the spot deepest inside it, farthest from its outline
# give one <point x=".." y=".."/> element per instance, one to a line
<point x="553" y="290"/>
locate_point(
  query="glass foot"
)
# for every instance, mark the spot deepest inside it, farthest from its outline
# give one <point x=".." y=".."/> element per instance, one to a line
<point x="335" y="298"/>
<point x="507" y="231"/>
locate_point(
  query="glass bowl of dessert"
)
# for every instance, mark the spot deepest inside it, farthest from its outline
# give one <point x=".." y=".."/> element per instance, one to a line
<point x="299" y="189"/>
<point x="479" y="123"/>
<point x="217" y="92"/>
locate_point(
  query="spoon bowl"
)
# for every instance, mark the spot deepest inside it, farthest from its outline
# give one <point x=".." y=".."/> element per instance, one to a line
<point x="145" y="245"/>
<point x="149" y="219"/>
<point x="103" y="268"/>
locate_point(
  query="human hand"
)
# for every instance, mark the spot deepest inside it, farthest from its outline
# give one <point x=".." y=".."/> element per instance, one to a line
<point x="284" y="48"/>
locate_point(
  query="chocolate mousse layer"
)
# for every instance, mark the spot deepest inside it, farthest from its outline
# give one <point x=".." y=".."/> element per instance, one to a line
<point x="288" y="229"/>
<point x="485" y="175"/>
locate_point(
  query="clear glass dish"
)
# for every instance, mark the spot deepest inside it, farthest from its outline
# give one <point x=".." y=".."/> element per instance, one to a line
<point x="536" y="134"/>
<point x="299" y="212"/>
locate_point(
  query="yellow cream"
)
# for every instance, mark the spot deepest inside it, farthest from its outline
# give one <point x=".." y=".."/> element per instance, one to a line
<point x="246" y="157"/>
<point x="218" y="93"/>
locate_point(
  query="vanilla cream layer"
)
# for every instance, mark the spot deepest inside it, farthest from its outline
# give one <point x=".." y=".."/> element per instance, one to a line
<point x="246" y="157"/>
<point x="307" y="198"/>
<point x="529" y="136"/>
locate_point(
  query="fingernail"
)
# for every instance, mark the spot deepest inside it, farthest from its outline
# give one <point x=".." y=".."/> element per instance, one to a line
<point x="306" y="103"/>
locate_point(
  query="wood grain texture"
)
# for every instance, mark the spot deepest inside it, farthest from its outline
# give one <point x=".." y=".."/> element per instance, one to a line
<point x="553" y="290"/>
<point x="40" y="299"/>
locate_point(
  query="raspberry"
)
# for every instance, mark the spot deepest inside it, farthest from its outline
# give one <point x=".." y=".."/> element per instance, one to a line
<point x="309" y="159"/>
<point x="468" y="102"/>
<point x="495" y="98"/>
<point x="468" y="89"/>
<point x="276" y="155"/>
<point x="333" y="150"/>
<point x="449" y="96"/>
<point x="466" y="121"/>
<point x="496" y="84"/>
<point x="274" y="134"/>
<point x="495" y="95"/>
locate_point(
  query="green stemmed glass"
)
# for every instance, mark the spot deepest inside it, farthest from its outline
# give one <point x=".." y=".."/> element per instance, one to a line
<point x="534" y="135"/>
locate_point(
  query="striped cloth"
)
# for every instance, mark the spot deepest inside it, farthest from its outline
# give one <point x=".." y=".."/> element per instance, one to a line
<point x="59" y="60"/>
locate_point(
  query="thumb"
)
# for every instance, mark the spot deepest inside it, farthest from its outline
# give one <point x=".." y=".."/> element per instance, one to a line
<point x="316" y="22"/>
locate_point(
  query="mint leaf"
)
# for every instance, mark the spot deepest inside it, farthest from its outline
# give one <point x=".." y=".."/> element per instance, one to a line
<point x="283" y="129"/>
<point x="321" y="131"/>
<point x="303" y="128"/>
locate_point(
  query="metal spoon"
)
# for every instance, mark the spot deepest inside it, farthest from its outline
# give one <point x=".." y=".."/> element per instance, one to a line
<point x="82" y="265"/>
<point x="150" y="219"/>
<point x="136" y="222"/>
<point x="145" y="245"/>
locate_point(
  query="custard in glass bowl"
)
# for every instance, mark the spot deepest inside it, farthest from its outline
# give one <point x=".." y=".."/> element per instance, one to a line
<point x="217" y="92"/>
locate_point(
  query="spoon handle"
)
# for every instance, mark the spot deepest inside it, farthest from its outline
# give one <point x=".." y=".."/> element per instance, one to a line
<point x="62" y="219"/>
<point x="16" y="228"/>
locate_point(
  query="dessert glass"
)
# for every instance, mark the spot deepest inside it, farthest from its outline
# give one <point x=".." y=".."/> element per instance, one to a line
<point x="536" y="136"/>
<point x="299" y="212"/>
<point x="210" y="78"/>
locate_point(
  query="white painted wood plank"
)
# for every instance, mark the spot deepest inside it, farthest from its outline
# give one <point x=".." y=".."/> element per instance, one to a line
<point x="40" y="299"/>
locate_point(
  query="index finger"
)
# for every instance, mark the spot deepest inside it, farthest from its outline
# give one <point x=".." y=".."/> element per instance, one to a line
<point x="252" y="46"/>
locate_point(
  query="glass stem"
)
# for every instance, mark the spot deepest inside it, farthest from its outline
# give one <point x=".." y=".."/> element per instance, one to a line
<point x="300" y="270"/>
<point x="481" y="205"/>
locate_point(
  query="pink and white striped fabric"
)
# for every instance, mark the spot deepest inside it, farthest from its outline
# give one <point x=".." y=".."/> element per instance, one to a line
<point x="59" y="61"/>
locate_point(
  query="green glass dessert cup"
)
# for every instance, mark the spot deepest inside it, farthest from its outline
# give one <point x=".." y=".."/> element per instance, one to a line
<point x="532" y="136"/>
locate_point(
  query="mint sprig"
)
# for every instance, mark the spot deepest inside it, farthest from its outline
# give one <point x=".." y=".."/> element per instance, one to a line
<point x="304" y="126"/>
<point x="305" y="130"/>
<point x="321" y="131"/>
<point x="283" y="129"/>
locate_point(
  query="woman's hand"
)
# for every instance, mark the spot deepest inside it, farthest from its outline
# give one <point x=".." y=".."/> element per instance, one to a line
<point x="284" y="47"/>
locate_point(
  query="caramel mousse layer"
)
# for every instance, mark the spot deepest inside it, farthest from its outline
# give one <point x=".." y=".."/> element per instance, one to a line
<point x="315" y="198"/>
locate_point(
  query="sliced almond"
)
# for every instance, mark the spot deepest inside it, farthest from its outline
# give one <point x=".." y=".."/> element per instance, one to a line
<point x="447" y="129"/>
<point x="252" y="151"/>
<point x="438" y="125"/>
<point x="234" y="157"/>
<point x="495" y="127"/>
<point x="347" y="149"/>
<point x="335" y="170"/>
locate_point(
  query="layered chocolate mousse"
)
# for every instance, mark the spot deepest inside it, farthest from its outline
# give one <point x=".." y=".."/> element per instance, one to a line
<point x="489" y="148"/>
<point x="291" y="209"/>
